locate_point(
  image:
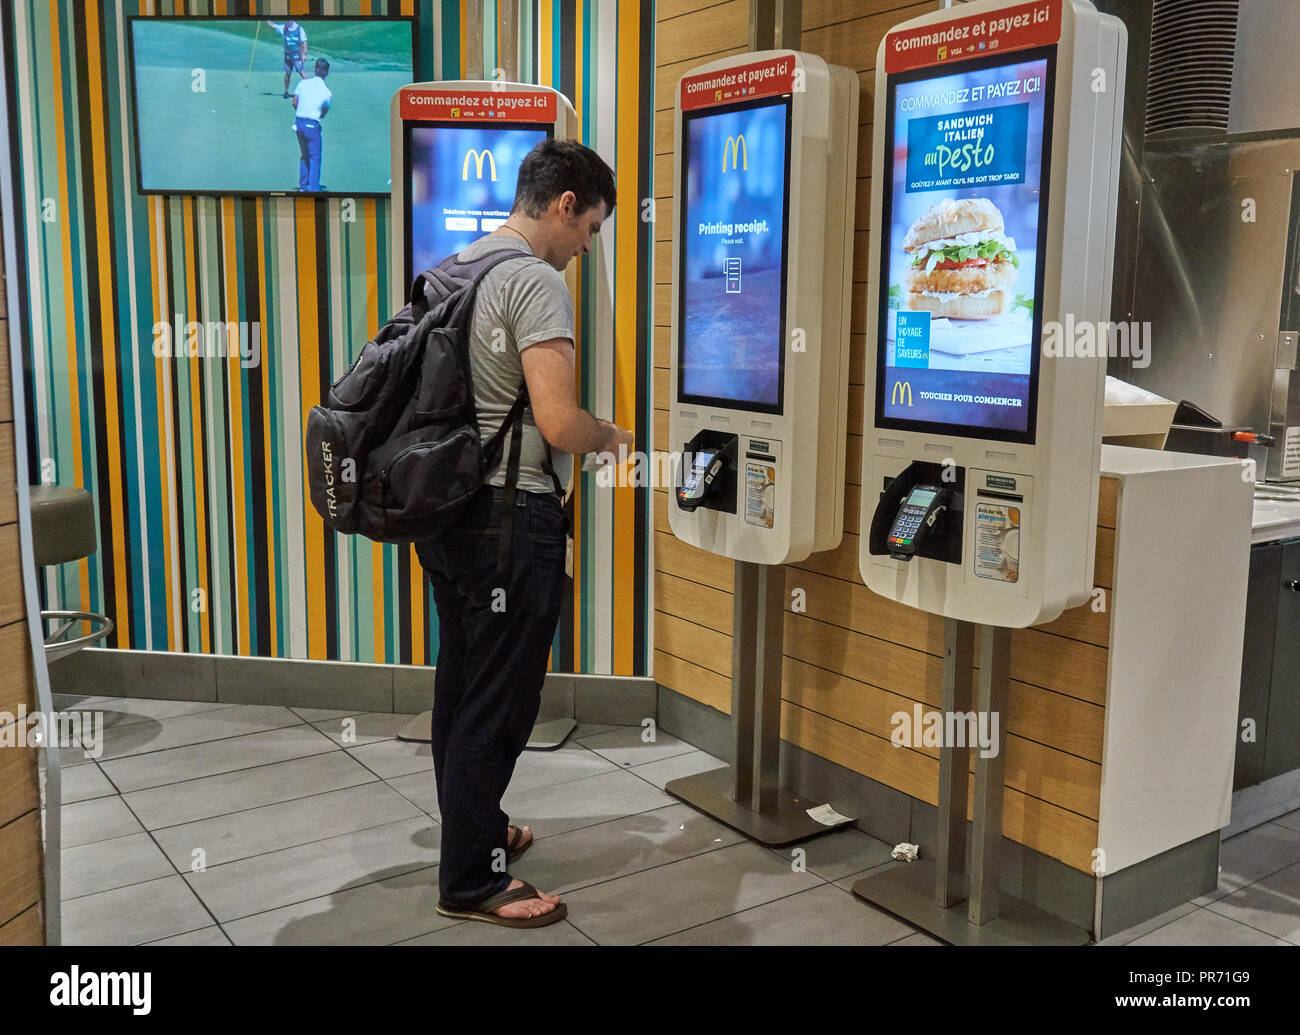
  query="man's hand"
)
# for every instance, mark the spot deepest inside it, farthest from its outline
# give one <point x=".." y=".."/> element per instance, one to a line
<point x="617" y="440"/>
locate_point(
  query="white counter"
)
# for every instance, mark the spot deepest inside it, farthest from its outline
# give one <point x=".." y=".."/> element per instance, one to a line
<point x="1174" y="674"/>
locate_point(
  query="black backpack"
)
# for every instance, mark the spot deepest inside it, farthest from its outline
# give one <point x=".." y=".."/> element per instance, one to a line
<point x="395" y="452"/>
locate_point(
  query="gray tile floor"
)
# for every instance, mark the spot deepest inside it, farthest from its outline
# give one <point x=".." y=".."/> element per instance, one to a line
<point x="213" y="824"/>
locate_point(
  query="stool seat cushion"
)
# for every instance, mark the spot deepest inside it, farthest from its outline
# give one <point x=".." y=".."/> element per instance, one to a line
<point x="63" y="524"/>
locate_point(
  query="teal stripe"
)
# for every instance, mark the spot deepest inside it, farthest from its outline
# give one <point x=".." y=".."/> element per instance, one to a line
<point x="450" y="39"/>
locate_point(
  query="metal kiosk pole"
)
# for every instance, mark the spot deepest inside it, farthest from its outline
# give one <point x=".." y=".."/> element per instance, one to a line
<point x="931" y="894"/>
<point x="747" y="795"/>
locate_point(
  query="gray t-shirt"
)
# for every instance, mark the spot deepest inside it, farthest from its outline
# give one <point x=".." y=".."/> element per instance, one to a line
<point x="520" y="303"/>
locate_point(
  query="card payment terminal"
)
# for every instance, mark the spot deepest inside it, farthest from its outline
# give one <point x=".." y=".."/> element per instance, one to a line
<point x="708" y="462"/>
<point x="920" y="511"/>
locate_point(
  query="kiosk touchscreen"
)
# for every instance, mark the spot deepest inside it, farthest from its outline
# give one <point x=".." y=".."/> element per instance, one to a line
<point x="766" y="148"/>
<point x="993" y="210"/>
<point x="457" y="147"/>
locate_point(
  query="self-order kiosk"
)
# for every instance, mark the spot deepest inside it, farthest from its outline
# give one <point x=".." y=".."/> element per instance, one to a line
<point x="766" y="147"/>
<point x="457" y="147"/>
<point x="993" y="193"/>
<point x="456" y="152"/>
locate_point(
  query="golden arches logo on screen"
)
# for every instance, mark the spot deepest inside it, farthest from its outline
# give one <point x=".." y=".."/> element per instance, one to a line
<point x="478" y="157"/>
<point x="902" y="390"/>
<point x="736" y="147"/>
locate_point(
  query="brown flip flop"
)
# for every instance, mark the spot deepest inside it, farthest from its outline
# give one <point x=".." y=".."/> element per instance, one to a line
<point x="482" y="911"/>
<point x="513" y="851"/>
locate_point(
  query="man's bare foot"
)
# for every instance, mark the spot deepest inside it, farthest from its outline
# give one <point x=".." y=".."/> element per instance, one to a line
<point x="527" y="907"/>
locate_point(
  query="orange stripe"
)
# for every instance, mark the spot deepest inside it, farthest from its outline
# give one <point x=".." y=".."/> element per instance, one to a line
<point x="243" y="640"/>
<point x="269" y="497"/>
<point x="625" y="286"/>
<point x="196" y="439"/>
<point x="309" y="391"/>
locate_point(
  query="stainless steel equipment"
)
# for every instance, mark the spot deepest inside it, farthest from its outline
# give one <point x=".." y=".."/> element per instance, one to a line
<point x="1212" y="151"/>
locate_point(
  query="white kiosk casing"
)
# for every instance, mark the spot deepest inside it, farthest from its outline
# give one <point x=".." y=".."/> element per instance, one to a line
<point x="475" y="121"/>
<point x="791" y="429"/>
<point x="1044" y="477"/>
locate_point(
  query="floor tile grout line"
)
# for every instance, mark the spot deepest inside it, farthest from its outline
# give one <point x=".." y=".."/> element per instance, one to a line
<point x="212" y="740"/>
<point x="188" y="886"/>
<point x="218" y="815"/>
<point x="335" y="891"/>
<point x="756" y="905"/>
<point x="305" y="844"/>
<point x="142" y="719"/>
<point x="670" y="862"/>
<point x="228" y="772"/>
<point x="253" y="808"/>
<point x="1244" y="923"/>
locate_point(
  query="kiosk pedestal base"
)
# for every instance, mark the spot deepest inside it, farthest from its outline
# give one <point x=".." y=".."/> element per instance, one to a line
<point x="546" y="736"/>
<point x="783" y="822"/>
<point x="746" y="795"/>
<point x="907" y="891"/>
<point x="968" y="908"/>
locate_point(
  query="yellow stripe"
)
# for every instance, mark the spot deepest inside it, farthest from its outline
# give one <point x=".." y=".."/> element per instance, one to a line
<point x="162" y="369"/>
<point x="243" y="640"/>
<point x="269" y="497"/>
<point x="625" y="358"/>
<point x="418" y="629"/>
<point x="377" y="609"/>
<point x="544" y="48"/>
<point x="309" y="392"/>
<point x="196" y="440"/>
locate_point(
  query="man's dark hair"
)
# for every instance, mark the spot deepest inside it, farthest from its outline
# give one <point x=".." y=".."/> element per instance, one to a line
<point x="322" y="67"/>
<point x="554" y="166"/>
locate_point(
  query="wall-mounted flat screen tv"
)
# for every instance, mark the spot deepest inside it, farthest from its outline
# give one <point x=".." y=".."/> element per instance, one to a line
<point x="267" y="105"/>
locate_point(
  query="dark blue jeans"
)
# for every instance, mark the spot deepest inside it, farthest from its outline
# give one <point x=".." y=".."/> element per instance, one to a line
<point x="309" y="150"/>
<point x="494" y="637"/>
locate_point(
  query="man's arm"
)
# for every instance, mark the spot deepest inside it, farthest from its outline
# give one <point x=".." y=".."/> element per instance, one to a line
<point x="548" y="372"/>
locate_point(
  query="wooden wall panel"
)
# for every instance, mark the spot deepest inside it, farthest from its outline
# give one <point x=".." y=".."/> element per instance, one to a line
<point x="854" y="659"/>
<point x="21" y="859"/>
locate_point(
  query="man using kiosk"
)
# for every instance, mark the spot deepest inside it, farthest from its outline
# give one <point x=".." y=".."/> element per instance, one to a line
<point x="495" y="627"/>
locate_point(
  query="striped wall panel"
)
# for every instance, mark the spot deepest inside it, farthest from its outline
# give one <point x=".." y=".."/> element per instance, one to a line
<point x="208" y="542"/>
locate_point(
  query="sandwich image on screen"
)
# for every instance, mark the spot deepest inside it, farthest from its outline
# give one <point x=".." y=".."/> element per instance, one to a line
<point x="962" y="247"/>
<point x="963" y="264"/>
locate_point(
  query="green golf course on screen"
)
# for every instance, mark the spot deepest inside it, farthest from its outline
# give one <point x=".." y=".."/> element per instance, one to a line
<point x="265" y="106"/>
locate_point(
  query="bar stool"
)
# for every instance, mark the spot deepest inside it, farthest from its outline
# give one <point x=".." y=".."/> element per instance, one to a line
<point x="63" y="529"/>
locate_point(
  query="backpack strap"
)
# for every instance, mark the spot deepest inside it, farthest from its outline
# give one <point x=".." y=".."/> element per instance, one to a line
<point x="514" y="422"/>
